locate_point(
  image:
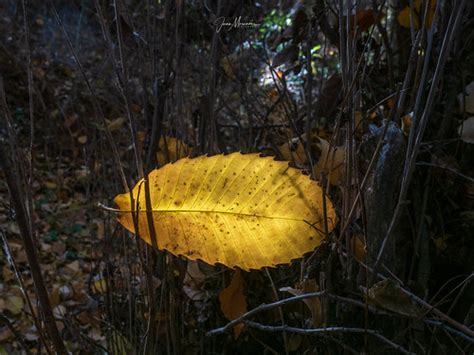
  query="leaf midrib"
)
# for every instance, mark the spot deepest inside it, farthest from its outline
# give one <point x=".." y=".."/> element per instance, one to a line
<point x="219" y="212"/>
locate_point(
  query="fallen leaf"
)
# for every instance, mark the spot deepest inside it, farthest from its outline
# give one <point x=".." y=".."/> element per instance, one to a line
<point x="466" y="100"/>
<point x="238" y="210"/>
<point x="119" y="343"/>
<point x="7" y="273"/>
<point x="59" y="311"/>
<point x="228" y="63"/>
<point x="115" y="124"/>
<point x="96" y="334"/>
<point x="294" y="342"/>
<point x="407" y="121"/>
<point x="386" y="294"/>
<point x="171" y="149"/>
<point x="440" y="242"/>
<point x="54" y="296"/>
<point x="366" y="18"/>
<point x="50" y="185"/>
<point x="331" y="163"/>
<point x="73" y="267"/>
<point x="313" y="304"/>
<point x="466" y="131"/>
<point x="414" y="13"/>
<point x="32" y="333"/>
<point x="82" y="139"/>
<point x="5" y="334"/>
<point x="359" y="247"/>
<point x="294" y="151"/>
<point x="14" y="304"/>
<point x="66" y="292"/>
<point x="194" y="281"/>
<point x="99" y="285"/>
<point x="233" y="301"/>
<point x="362" y="20"/>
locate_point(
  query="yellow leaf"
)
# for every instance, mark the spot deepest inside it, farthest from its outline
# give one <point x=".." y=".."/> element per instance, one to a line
<point x="415" y="13"/>
<point x="100" y="285"/>
<point x="119" y="343"/>
<point x="240" y="210"/>
<point x="233" y="302"/>
<point x="331" y="163"/>
<point x="171" y="149"/>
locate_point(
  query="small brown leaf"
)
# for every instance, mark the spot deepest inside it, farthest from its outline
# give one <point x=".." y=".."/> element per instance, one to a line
<point x="73" y="267"/>
<point x="233" y="302"/>
<point x="366" y="18"/>
<point x="313" y="304"/>
<point x="362" y="20"/>
<point x="407" y="120"/>
<point x="54" y="297"/>
<point x="228" y="63"/>
<point x="115" y="124"/>
<point x="359" y="247"/>
<point x="387" y="295"/>
<point x="82" y="139"/>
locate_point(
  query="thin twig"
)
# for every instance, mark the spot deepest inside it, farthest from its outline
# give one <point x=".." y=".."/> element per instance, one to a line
<point x="412" y="153"/>
<point x="15" y="332"/>
<point x="12" y="263"/>
<point x="95" y="103"/>
<point x="322" y="331"/>
<point x="261" y="308"/>
<point x="423" y="163"/>
<point x="23" y="220"/>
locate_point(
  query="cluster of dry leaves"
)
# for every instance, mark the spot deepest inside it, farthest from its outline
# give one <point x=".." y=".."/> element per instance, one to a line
<point x="65" y="245"/>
